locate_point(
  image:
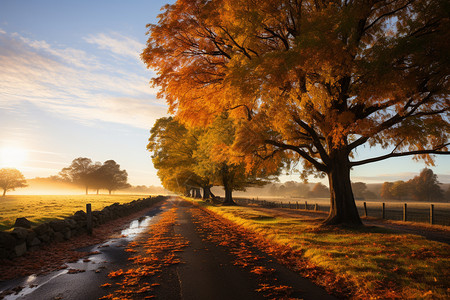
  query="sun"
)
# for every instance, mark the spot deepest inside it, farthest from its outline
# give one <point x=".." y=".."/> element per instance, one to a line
<point x="12" y="157"/>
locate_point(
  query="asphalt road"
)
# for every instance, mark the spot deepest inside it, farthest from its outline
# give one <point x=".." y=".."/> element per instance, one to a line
<point x="208" y="270"/>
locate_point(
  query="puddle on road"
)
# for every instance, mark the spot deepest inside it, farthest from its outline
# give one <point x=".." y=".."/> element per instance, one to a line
<point x="88" y="263"/>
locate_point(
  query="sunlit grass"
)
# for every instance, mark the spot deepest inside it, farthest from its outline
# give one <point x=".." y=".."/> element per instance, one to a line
<point x="43" y="208"/>
<point x="377" y="262"/>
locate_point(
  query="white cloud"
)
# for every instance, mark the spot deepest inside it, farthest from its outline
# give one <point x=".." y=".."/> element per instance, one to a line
<point x="117" y="43"/>
<point x="71" y="83"/>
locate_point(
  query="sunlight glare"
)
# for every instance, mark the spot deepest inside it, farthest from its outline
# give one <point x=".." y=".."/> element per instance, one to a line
<point x="12" y="157"/>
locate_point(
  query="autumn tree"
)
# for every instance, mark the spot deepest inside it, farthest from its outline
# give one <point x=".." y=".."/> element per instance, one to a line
<point x="400" y="190"/>
<point x="359" y="188"/>
<point x="316" y="79"/>
<point x="425" y="187"/>
<point x="10" y="179"/>
<point x="111" y="177"/>
<point x="217" y="160"/>
<point x="81" y="171"/>
<point x="319" y="190"/>
<point x="188" y="158"/>
<point x="386" y="192"/>
<point x="172" y="146"/>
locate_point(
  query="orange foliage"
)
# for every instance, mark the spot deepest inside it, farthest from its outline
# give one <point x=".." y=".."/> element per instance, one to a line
<point x="315" y="79"/>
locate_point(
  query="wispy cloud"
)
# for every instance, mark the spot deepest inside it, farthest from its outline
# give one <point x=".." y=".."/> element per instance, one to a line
<point x="116" y="43"/>
<point x="77" y="85"/>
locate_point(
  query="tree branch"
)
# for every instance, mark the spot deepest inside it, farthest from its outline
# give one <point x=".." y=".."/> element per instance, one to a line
<point x="315" y="138"/>
<point x="249" y="111"/>
<point x="319" y="166"/>
<point x="392" y="154"/>
<point x="386" y="15"/>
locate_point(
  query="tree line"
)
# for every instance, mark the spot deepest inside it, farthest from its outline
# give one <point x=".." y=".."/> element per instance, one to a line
<point x="424" y="187"/>
<point x="83" y="171"/>
<point x="190" y="159"/>
<point x="317" y="190"/>
<point x="303" y="84"/>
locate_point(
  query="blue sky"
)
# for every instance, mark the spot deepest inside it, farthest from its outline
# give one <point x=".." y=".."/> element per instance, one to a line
<point x="72" y="84"/>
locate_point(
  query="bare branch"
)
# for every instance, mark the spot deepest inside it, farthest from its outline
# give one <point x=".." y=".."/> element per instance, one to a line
<point x="436" y="150"/>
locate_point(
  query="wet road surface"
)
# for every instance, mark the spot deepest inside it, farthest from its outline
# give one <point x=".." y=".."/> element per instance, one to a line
<point x="207" y="271"/>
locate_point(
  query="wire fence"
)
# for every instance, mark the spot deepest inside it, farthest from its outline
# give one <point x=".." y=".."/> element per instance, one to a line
<point x="435" y="213"/>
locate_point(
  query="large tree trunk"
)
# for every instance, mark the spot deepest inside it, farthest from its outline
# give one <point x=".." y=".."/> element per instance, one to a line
<point x="343" y="207"/>
<point x="4" y="192"/>
<point x="228" y="196"/>
<point x="206" y="192"/>
<point x="197" y="193"/>
<point x="87" y="190"/>
<point x="227" y="179"/>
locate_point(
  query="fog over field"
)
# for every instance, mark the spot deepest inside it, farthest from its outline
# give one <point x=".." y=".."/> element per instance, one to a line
<point x="46" y="186"/>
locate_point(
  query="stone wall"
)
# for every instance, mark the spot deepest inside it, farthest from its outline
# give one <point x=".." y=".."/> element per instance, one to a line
<point x="24" y="237"/>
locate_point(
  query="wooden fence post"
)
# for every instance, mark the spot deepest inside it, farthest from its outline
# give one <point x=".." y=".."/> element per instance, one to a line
<point x="365" y="209"/>
<point x="383" y="211"/>
<point x="306" y="205"/>
<point x="89" y="218"/>
<point x="405" y="214"/>
<point x="431" y="214"/>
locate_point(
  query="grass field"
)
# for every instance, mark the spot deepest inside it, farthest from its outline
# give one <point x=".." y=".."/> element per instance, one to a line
<point x="377" y="263"/>
<point x="416" y="211"/>
<point x="43" y="208"/>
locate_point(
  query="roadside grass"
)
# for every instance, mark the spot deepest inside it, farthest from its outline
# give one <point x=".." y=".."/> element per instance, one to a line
<point x="42" y="208"/>
<point x="376" y="262"/>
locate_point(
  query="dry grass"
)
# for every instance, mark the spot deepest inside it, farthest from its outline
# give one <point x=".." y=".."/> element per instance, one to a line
<point x="377" y="263"/>
<point x="41" y="208"/>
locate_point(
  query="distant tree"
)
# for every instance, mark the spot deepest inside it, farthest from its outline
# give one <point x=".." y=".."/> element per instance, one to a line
<point x="281" y="191"/>
<point x="111" y="177"/>
<point x="81" y="171"/>
<point x="319" y="190"/>
<point x="301" y="190"/>
<point x="425" y="187"/>
<point x="359" y="188"/>
<point x="447" y="194"/>
<point x="400" y="190"/>
<point x="386" y="191"/>
<point x="10" y="179"/>
<point x="273" y="190"/>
